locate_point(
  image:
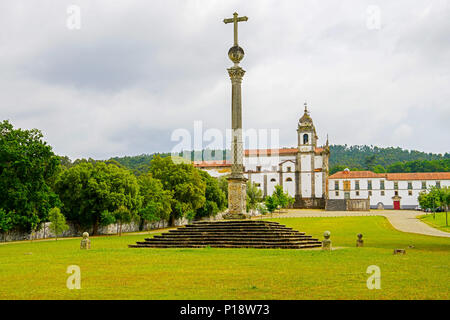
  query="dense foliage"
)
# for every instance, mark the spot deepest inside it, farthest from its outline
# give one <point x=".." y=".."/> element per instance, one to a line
<point x="341" y="156"/>
<point x="91" y="192"/>
<point x="184" y="181"/>
<point x="27" y="170"/>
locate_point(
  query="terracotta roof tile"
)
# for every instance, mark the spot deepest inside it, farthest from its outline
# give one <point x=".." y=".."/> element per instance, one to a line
<point x="212" y="164"/>
<point x="419" y="176"/>
<point x="356" y="175"/>
<point x="391" y="176"/>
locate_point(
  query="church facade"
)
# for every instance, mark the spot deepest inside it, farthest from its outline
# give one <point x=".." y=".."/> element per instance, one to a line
<point x="301" y="171"/>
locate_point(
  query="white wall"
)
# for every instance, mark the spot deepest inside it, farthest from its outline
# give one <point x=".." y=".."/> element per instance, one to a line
<point x="406" y="201"/>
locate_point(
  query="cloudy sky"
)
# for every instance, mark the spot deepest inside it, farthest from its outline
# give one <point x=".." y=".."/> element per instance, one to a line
<point x="372" y="72"/>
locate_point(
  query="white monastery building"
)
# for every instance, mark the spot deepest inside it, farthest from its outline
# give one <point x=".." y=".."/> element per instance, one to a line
<point x="384" y="190"/>
<point x="303" y="173"/>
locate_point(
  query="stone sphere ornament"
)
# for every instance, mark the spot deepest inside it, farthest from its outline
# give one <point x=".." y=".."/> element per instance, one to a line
<point x="85" y="242"/>
<point x="236" y="54"/>
<point x="359" y="241"/>
<point x="326" y="243"/>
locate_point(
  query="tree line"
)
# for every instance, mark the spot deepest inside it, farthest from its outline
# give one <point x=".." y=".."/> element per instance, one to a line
<point x="35" y="184"/>
<point x="355" y="158"/>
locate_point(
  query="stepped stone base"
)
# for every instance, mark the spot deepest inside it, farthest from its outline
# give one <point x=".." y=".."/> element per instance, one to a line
<point x="231" y="234"/>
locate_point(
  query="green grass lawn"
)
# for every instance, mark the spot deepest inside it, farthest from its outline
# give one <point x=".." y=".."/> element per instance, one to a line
<point x="110" y="270"/>
<point x="437" y="221"/>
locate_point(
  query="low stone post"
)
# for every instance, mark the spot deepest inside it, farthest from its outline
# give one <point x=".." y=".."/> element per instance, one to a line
<point x="359" y="241"/>
<point x="326" y="243"/>
<point x="85" y="242"/>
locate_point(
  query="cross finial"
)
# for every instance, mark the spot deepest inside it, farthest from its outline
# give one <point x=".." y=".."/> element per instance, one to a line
<point x="235" y="21"/>
<point x="306" y="107"/>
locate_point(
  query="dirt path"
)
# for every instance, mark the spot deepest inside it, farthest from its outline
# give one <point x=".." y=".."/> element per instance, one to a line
<point x="403" y="220"/>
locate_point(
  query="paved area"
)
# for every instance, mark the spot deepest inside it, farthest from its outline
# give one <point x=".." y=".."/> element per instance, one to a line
<point x="402" y="220"/>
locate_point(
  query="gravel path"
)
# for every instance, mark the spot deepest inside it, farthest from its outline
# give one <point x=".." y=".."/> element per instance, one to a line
<point x="402" y="220"/>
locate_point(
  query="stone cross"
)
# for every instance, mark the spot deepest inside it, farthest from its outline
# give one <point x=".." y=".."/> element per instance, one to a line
<point x="235" y="21"/>
<point x="237" y="194"/>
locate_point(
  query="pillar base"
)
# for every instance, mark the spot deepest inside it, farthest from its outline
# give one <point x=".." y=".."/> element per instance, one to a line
<point x="236" y="216"/>
<point x="237" y="198"/>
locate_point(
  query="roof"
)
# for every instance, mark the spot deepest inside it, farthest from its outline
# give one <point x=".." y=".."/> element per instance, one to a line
<point x="391" y="176"/>
<point x="356" y="175"/>
<point x="212" y="164"/>
<point x="419" y="176"/>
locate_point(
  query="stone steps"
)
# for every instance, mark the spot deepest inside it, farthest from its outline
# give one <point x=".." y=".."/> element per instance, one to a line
<point x="231" y="234"/>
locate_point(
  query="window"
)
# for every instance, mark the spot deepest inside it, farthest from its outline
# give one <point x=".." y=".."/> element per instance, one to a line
<point x="382" y="193"/>
<point x="396" y="185"/>
<point x="273" y="180"/>
<point x="370" y="193"/>
<point x="289" y="169"/>
<point x="438" y="184"/>
<point x="409" y="192"/>
<point x="336" y="185"/>
<point x="337" y="193"/>
<point x="382" y="185"/>
<point x="409" y="185"/>
<point x="258" y="168"/>
<point x="357" y="185"/>
<point x="357" y="193"/>
<point x="396" y="192"/>
<point x="347" y="185"/>
<point x="424" y="185"/>
<point x="305" y="138"/>
<point x="289" y="179"/>
<point x="369" y="185"/>
<point x="347" y="195"/>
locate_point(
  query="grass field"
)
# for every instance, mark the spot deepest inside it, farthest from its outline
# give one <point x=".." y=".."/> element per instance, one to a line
<point x="110" y="270"/>
<point x="437" y="221"/>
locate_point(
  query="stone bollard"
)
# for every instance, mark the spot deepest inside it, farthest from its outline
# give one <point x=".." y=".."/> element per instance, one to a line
<point x="326" y="243"/>
<point x="85" y="242"/>
<point x="399" y="251"/>
<point x="359" y="241"/>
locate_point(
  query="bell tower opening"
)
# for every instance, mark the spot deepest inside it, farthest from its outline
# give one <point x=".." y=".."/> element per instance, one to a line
<point x="305" y="138"/>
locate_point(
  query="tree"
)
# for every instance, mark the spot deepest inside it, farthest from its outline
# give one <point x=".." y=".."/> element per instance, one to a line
<point x="271" y="203"/>
<point x="6" y="222"/>
<point x="156" y="202"/>
<point x="92" y="191"/>
<point x="27" y="168"/>
<point x="223" y="185"/>
<point x="254" y="196"/>
<point x="57" y="222"/>
<point x="215" y="200"/>
<point x="185" y="183"/>
<point x="281" y="197"/>
<point x="123" y="215"/>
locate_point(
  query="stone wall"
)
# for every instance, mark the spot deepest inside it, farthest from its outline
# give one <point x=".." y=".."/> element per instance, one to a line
<point x="335" y="205"/>
<point x="309" y="203"/>
<point x="76" y="231"/>
<point x="347" y="205"/>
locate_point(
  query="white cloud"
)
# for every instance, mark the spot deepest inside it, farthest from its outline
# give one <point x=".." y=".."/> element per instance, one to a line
<point x="138" y="70"/>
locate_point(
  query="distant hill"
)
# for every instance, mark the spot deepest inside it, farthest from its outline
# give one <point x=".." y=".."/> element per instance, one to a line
<point x="341" y="156"/>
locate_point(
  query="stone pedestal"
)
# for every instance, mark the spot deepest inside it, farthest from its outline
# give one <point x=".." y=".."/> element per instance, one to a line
<point x="237" y="198"/>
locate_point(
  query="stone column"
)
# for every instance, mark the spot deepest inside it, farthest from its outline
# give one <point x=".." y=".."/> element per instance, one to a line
<point x="237" y="188"/>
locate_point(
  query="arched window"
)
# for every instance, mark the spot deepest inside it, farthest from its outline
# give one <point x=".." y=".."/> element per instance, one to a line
<point x="289" y="179"/>
<point x="273" y="180"/>
<point x="305" y="138"/>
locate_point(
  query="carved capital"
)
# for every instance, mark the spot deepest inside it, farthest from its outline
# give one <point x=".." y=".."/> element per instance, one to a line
<point x="236" y="73"/>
